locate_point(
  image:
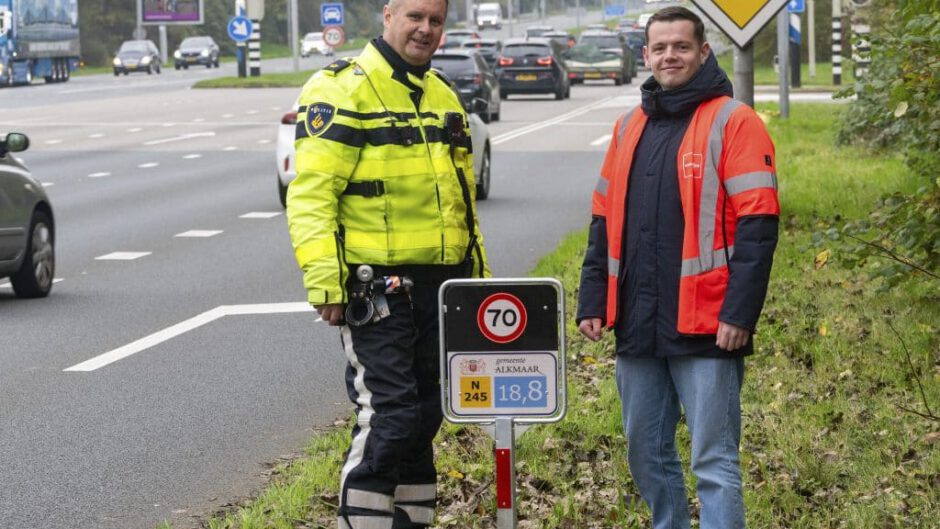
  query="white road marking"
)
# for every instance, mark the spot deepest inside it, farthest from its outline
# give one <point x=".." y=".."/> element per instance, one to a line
<point x="602" y="140"/>
<point x="169" y="124"/>
<point x="98" y="175"/>
<point x="185" y="326"/>
<point x="181" y="137"/>
<point x="260" y="215"/>
<point x="48" y="184"/>
<point x="198" y="120"/>
<point x="122" y="256"/>
<point x="192" y="156"/>
<point x="96" y="135"/>
<point x="148" y="165"/>
<point x="227" y="116"/>
<point x="264" y="141"/>
<point x="513" y="134"/>
<point x="230" y="148"/>
<point x="53" y="142"/>
<point x="198" y="233"/>
<point x="135" y="129"/>
<point x="251" y="112"/>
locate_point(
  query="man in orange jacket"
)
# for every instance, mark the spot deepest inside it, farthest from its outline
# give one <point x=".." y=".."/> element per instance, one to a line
<point x="684" y="226"/>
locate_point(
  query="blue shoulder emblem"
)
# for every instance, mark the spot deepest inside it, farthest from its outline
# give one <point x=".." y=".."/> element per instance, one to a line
<point x="319" y="117"/>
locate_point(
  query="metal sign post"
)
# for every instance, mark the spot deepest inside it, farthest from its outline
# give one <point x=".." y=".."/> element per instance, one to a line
<point x="502" y="364"/>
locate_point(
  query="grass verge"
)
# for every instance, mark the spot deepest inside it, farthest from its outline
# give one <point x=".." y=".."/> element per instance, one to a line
<point x="764" y="74"/>
<point x="828" y="442"/>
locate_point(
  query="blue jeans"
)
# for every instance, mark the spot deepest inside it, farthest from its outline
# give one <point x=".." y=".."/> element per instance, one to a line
<point x="651" y="390"/>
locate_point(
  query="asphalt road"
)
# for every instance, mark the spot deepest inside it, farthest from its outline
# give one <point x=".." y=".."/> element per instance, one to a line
<point x="173" y="254"/>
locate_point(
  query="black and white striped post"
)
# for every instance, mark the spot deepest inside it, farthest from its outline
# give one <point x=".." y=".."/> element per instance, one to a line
<point x="254" y="49"/>
<point x="861" y="48"/>
<point x="837" y="42"/>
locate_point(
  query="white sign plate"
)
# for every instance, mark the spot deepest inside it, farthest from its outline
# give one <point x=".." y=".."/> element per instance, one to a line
<point x="503" y="384"/>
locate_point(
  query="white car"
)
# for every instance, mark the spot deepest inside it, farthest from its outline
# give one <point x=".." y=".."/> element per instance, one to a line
<point x="314" y="43"/>
<point x="479" y="137"/>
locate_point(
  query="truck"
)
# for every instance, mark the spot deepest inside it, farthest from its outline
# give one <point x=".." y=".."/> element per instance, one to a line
<point x="38" y="39"/>
<point x="489" y="15"/>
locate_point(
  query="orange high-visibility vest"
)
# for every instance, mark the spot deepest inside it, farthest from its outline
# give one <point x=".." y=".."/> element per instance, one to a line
<point x="726" y="169"/>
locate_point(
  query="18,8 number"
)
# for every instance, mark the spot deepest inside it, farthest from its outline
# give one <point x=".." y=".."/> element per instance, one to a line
<point x="520" y="392"/>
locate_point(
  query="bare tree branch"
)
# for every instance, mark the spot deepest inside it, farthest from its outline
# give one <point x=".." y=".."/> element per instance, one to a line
<point x="910" y="363"/>
<point x="894" y="256"/>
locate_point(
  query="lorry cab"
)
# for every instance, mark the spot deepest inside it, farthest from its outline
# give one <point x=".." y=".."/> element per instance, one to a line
<point x="489" y="15"/>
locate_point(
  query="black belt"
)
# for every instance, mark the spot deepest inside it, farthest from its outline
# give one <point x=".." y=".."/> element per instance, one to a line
<point x="419" y="273"/>
<point x="365" y="188"/>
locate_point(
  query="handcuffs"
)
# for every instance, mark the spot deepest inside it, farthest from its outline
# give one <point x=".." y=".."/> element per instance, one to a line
<point x="367" y="302"/>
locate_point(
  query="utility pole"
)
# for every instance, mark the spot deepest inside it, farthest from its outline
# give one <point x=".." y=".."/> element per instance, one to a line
<point x="744" y="74"/>
<point x="783" y="45"/>
<point x="812" y="38"/>
<point x="469" y="13"/>
<point x="294" y="33"/>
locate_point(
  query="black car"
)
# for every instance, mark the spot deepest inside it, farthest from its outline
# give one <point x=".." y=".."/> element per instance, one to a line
<point x="197" y="50"/>
<point x="488" y="48"/>
<point x="137" y="56"/>
<point x="567" y="40"/>
<point x="473" y="78"/>
<point x="532" y="66"/>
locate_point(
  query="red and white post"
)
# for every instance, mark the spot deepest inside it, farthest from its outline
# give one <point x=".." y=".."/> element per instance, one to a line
<point x="505" y="473"/>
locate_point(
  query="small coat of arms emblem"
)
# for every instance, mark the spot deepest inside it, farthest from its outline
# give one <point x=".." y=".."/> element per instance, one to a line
<point x="472" y="367"/>
<point x="319" y="117"/>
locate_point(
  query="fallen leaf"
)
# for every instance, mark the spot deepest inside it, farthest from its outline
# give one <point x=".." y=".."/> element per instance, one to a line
<point x="822" y="258"/>
<point x="456" y="474"/>
<point x="823" y="330"/>
<point x="901" y="109"/>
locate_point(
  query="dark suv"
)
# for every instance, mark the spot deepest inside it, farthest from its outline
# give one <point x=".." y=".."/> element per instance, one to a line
<point x="473" y="78"/>
<point x="197" y="50"/>
<point x="532" y="66"/>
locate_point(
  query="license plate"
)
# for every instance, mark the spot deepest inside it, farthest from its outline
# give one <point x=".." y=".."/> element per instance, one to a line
<point x="593" y="75"/>
<point x="526" y="77"/>
<point x="131" y="64"/>
<point x="190" y="59"/>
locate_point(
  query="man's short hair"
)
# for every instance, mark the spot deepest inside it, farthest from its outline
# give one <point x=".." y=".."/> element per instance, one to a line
<point x="391" y="4"/>
<point x="674" y="13"/>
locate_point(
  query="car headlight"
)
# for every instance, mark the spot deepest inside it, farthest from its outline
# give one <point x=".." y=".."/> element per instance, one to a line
<point x="145" y="60"/>
<point x="204" y="53"/>
<point x="177" y="54"/>
<point x="116" y="61"/>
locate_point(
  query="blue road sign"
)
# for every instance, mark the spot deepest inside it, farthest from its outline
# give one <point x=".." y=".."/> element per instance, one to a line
<point x="239" y="28"/>
<point x="796" y="6"/>
<point x="614" y="11"/>
<point x="331" y="14"/>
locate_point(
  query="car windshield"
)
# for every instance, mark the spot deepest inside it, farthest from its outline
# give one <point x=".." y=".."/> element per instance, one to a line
<point x="134" y="46"/>
<point x="536" y="32"/>
<point x="311" y="37"/>
<point x="453" y="65"/>
<point x="523" y="50"/>
<point x="588" y="53"/>
<point x="601" y="41"/>
<point x="194" y="42"/>
<point x="488" y="10"/>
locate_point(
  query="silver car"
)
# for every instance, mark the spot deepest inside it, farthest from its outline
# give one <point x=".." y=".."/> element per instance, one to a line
<point x="27" y="228"/>
<point x="479" y="139"/>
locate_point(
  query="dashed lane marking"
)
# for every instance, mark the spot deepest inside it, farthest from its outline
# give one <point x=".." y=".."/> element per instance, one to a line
<point x="602" y="140"/>
<point x="192" y="156"/>
<point x="122" y="256"/>
<point x="148" y="165"/>
<point x="198" y="233"/>
<point x="99" y="175"/>
<point x="260" y="215"/>
<point x="181" y="137"/>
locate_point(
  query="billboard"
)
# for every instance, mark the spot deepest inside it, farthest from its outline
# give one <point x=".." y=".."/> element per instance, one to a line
<point x="167" y="12"/>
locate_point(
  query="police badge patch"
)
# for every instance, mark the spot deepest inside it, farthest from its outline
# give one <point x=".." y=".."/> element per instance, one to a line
<point x="319" y="117"/>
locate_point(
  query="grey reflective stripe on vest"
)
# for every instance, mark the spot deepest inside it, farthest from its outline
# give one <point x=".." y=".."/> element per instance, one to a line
<point x="708" y="200"/>
<point x="427" y="492"/>
<point x="418" y="514"/>
<point x="623" y="123"/>
<point x="365" y="499"/>
<point x="366" y="522"/>
<point x="601" y="187"/>
<point x="749" y="181"/>
<point x="613" y="266"/>
<point x="693" y="266"/>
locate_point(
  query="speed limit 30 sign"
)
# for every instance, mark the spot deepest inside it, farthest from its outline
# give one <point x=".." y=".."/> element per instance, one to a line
<point x="502" y="350"/>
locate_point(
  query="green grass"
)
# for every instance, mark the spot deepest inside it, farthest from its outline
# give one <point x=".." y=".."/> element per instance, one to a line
<point x="827" y="442"/>
<point x="764" y="74"/>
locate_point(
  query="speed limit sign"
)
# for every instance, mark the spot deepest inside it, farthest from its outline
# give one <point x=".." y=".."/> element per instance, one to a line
<point x="501" y="317"/>
<point x="502" y="349"/>
<point x="334" y="36"/>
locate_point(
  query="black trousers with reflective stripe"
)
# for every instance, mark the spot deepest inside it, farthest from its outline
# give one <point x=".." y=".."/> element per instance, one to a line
<point x="393" y="378"/>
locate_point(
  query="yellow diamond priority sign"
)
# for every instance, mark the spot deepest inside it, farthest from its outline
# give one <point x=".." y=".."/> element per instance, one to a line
<point x="740" y="19"/>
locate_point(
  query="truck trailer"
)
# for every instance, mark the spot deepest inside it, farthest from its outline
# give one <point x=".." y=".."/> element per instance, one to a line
<point x="38" y="39"/>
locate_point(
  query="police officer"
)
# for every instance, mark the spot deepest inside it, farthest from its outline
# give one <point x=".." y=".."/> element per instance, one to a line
<point x="384" y="196"/>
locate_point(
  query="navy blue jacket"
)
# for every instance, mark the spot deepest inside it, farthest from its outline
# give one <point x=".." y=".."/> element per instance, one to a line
<point x="652" y="251"/>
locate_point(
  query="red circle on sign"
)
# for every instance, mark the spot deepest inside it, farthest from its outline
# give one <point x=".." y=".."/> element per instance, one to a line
<point x="334" y="36"/>
<point x="501" y="317"/>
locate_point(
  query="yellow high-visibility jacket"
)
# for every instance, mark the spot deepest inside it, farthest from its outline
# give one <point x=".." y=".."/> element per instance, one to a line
<point x="359" y="127"/>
